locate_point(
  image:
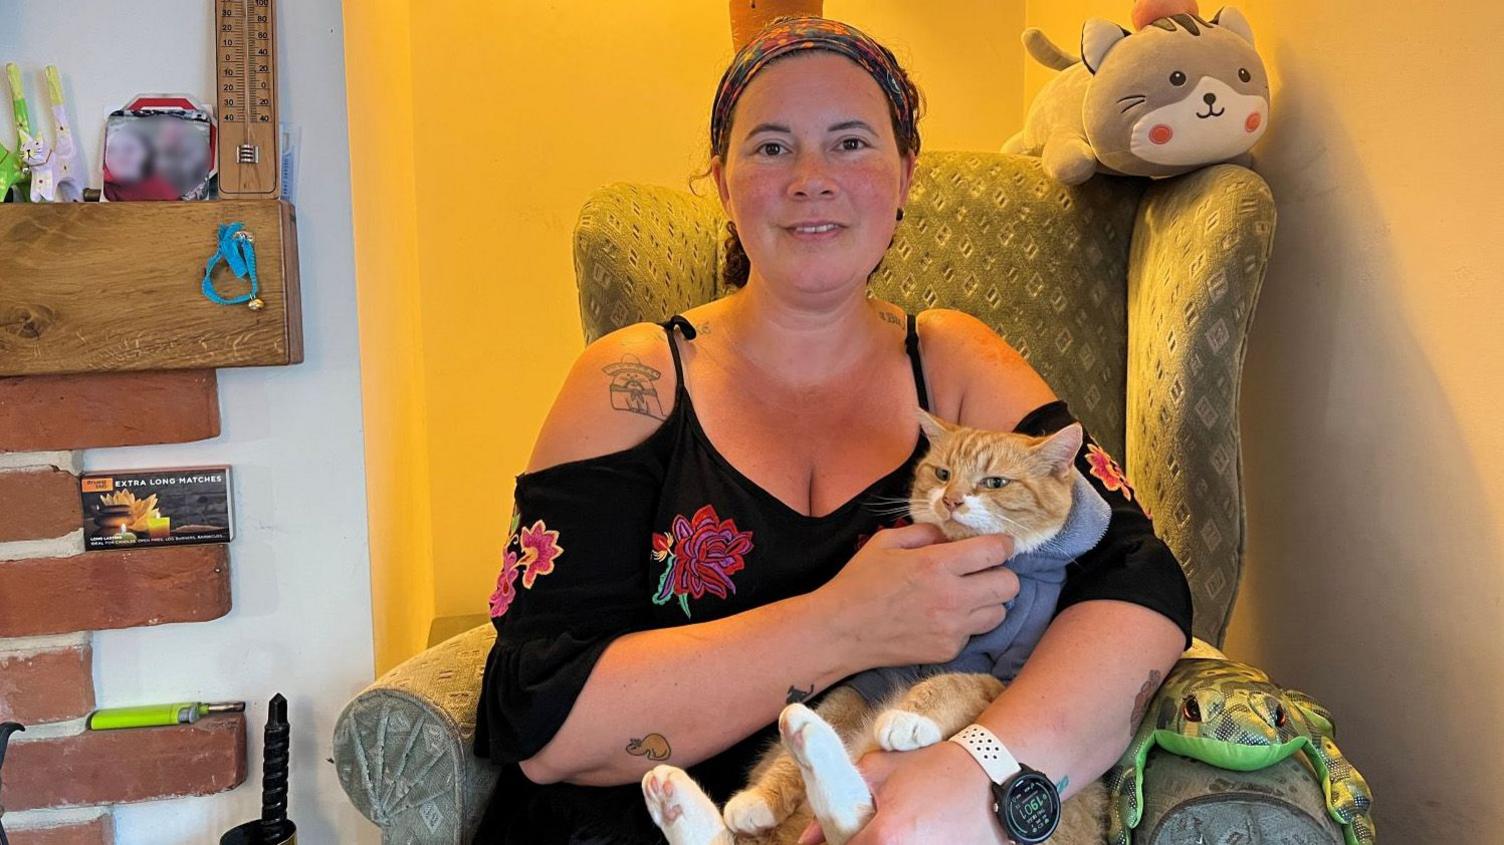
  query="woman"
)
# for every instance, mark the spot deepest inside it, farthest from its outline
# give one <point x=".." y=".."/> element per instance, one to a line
<point x="689" y="546"/>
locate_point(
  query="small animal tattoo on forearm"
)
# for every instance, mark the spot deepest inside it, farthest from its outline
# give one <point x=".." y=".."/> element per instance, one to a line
<point x="1141" y="702"/>
<point x="796" y="695"/>
<point x="633" y="387"/>
<point x="653" y="746"/>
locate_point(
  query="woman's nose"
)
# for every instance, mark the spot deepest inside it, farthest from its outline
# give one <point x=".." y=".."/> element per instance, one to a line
<point x="811" y="178"/>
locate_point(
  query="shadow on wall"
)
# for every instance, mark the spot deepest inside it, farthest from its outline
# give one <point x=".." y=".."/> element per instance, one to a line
<point x="1372" y="557"/>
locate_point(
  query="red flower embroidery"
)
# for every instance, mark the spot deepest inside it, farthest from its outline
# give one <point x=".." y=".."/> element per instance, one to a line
<point x="709" y="551"/>
<point x="1108" y="471"/>
<point x="540" y="548"/>
<point x="530" y="552"/>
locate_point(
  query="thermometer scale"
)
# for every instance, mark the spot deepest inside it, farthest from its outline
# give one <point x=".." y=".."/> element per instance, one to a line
<point x="246" y="81"/>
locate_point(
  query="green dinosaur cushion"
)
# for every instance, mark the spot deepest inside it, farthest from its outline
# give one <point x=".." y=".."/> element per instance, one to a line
<point x="1231" y="715"/>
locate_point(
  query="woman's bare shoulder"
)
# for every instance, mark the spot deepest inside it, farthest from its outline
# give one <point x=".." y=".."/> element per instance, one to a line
<point x="974" y="376"/>
<point x="619" y="391"/>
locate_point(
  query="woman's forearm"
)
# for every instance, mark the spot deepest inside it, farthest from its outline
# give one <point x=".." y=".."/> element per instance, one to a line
<point x="1075" y="705"/>
<point x="698" y="688"/>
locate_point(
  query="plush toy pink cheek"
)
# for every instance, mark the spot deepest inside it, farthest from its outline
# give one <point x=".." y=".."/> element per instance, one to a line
<point x="1161" y="134"/>
<point x="1252" y="123"/>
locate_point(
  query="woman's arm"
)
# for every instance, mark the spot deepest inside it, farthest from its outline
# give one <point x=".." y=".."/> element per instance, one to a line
<point x="902" y="599"/>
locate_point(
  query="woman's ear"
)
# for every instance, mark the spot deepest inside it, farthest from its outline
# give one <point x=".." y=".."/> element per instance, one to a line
<point x="718" y="173"/>
<point x="933" y="427"/>
<point x="906" y="178"/>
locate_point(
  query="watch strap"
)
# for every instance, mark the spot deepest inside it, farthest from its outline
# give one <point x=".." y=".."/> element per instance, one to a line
<point x="989" y="752"/>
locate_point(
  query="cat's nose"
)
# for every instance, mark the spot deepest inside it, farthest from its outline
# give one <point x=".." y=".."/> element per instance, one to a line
<point x="953" y="503"/>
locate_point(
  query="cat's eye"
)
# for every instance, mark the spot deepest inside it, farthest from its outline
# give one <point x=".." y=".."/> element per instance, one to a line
<point x="1191" y="709"/>
<point x="1177" y="78"/>
<point x="1244" y="75"/>
<point x="942" y="473"/>
<point x="995" y="482"/>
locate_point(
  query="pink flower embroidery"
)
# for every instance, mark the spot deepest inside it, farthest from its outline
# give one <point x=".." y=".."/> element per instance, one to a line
<point x="1108" y="471"/>
<point x="506" y="588"/>
<point x="530" y="552"/>
<point x="540" y="548"/>
<point x="701" y="553"/>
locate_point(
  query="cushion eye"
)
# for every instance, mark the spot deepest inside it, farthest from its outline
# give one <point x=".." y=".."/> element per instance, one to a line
<point x="1191" y="709"/>
<point x="1177" y="79"/>
<point x="1244" y="75"/>
<point x="1280" y="716"/>
<point x="942" y="473"/>
<point x="995" y="482"/>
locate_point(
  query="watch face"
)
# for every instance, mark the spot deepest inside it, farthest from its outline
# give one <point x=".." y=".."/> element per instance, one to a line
<point x="1029" y="807"/>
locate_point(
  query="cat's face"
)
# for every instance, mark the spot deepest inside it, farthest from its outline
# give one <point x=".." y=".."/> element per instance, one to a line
<point x="974" y="482"/>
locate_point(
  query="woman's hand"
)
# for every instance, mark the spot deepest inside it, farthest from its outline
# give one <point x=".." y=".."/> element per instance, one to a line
<point x="936" y="794"/>
<point x="907" y="598"/>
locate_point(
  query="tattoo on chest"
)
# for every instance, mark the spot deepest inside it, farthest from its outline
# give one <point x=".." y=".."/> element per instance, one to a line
<point x="653" y="746"/>
<point x="1141" y="702"/>
<point x="797" y="695"/>
<point x="634" y="387"/>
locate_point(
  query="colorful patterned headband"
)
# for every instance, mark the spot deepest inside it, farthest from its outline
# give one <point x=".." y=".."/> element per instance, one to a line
<point x="786" y="35"/>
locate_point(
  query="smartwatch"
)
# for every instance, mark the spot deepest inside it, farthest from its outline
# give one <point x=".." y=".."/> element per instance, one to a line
<point x="1025" y="800"/>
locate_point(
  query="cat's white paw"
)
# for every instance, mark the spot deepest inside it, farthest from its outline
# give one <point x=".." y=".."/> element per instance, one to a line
<point x="749" y="812"/>
<point x="837" y="793"/>
<point x="683" y="811"/>
<point x="901" y="730"/>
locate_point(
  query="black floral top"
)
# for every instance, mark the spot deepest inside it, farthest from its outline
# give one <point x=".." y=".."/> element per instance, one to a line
<point x="668" y="533"/>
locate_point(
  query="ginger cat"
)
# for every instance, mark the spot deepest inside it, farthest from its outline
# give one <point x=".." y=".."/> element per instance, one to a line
<point x="970" y="482"/>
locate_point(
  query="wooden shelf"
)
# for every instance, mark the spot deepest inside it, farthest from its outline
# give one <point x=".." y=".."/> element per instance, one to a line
<point x="107" y="287"/>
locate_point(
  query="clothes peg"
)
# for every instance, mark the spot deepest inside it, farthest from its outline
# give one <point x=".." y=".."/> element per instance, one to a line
<point x="68" y="173"/>
<point x="36" y="153"/>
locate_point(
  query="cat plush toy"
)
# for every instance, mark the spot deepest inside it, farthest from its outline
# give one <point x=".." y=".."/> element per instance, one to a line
<point x="1181" y="93"/>
<point x="970" y="482"/>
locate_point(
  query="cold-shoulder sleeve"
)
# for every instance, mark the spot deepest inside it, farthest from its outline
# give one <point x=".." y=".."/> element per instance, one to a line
<point x="574" y="577"/>
<point x="1130" y="563"/>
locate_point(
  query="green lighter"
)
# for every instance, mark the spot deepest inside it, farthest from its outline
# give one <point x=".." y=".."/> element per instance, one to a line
<point x="155" y="715"/>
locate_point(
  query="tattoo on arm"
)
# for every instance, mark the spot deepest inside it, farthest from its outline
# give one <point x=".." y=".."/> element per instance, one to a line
<point x="653" y="746"/>
<point x="797" y="695"/>
<point x="890" y="317"/>
<point x="1141" y="702"/>
<point x="1063" y="785"/>
<point x="633" y="387"/>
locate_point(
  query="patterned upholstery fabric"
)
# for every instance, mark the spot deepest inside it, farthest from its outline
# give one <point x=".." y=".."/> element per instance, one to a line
<point x="1187" y="802"/>
<point x="1133" y="300"/>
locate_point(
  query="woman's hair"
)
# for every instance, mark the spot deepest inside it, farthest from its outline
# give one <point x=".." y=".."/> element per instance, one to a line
<point x="792" y="36"/>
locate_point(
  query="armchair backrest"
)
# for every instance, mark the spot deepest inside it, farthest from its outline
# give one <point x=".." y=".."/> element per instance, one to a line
<point x="1132" y="300"/>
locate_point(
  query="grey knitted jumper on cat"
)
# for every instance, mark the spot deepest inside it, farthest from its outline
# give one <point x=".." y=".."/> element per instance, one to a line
<point x="1041" y="574"/>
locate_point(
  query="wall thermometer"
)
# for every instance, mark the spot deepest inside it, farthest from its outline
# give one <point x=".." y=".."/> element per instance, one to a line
<point x="246" y="53"/>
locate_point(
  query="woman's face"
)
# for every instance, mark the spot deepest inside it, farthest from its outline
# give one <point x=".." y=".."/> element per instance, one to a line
<point x="812" y="174"/>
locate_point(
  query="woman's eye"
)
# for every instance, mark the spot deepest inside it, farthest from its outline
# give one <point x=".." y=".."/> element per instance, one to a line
<point x="942" y="473"/>
<point x="771" y="148"/>
<point x="852" y="144"/>
<point x="994" y="482"/>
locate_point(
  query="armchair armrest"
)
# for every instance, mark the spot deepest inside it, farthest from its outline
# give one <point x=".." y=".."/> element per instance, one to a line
<point x="1186" y="799"/>
<point x="402" y="746"/>
<point x="1201" y="244"/>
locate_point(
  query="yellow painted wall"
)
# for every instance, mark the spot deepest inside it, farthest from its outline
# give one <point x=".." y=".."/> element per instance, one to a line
<point x="495" y="121"/>
<point x="378" y="77"/>
<point x="1375" y="566"/>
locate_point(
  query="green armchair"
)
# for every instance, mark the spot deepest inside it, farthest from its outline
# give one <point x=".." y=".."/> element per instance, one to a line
<point x="1132" y="299"/>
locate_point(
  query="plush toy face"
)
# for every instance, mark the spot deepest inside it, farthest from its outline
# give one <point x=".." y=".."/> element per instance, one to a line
<point x="1177" y="95"/>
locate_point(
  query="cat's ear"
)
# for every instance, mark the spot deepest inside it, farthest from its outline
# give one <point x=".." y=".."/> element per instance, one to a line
<point x="1098" y="37"/>
<point x="1229" y="18"/>
<point x="933" y="427"/>
<point x="1059" y="449"/>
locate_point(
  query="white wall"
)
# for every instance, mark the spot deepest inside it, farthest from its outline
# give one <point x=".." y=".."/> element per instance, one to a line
<point x="301" y="622"/>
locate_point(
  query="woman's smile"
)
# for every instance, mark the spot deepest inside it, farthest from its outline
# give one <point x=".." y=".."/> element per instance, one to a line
<point x="816" y="231"/>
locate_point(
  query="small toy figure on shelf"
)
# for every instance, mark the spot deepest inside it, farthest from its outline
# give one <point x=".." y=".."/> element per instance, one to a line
<point x="68" y="171"/>
<point x="36" y="153"/>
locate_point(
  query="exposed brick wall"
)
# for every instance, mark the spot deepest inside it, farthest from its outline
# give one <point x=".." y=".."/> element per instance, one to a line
<point x="52" y="594"/>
